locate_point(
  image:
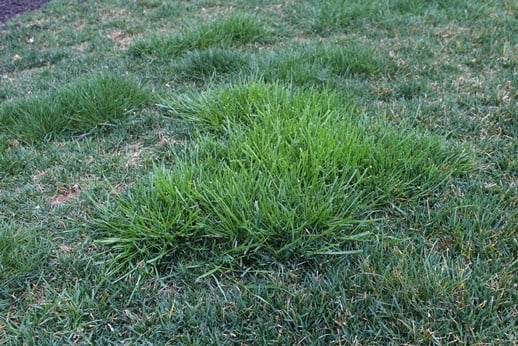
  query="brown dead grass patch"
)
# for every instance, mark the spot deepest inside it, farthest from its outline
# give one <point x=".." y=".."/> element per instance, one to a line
<point x="65" y="194"/>
<point x="120" y="38"/>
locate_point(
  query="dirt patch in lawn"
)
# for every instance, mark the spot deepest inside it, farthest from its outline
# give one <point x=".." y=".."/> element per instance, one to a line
<point x="11" y="8"/>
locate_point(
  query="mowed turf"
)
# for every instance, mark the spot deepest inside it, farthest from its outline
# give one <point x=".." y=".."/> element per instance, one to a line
<point x="261" y="172"/>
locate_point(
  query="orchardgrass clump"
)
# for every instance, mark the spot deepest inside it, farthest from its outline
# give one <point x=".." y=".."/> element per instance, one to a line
<point x="276" y="173"/>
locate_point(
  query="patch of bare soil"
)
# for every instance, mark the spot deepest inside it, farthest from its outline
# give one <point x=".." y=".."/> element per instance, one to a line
<point x="11" y="8"/>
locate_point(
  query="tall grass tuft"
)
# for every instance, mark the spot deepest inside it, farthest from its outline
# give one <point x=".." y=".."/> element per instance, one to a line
<point x="235" y="30"/>
<point x="313" y="64"/>
<point x="72" y="109"/>
<point x="334" y="15"/>
<point x="201" y="65"/>
<point x="277" y="173"/>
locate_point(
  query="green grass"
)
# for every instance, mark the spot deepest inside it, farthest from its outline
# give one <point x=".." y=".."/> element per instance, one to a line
<point x="324" y="64"/>
<point x="202" y="65"/>
<point x="234" y="30"/>
<point x="72" y="110"/>
<point x="293" y="174"/>
<point x="339" y="15"/>
<point x="259" y="172"/>
<point x="21" y="251"/>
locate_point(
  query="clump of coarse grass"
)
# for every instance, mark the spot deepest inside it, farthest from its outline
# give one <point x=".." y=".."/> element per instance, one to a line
<point x="72" y="109"/>
<point x="313" y="64"/>
<point x="333" y="15"/>
<point x="201" y="65"/>
<point x="278" y="174"/>
<point x="234" y="30"/>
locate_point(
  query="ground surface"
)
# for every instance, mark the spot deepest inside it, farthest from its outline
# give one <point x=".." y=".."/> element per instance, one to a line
<point x="226" y="172"/>
<point x="11" y="8"/>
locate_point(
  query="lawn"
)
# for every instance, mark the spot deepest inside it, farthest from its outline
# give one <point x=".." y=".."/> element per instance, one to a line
<point x="259" y="172"/>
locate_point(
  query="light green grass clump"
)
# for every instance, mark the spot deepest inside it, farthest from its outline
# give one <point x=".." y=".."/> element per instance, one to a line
<point x="72" y="109"/>
<point x="277" y="173"/>
<point x="202" y="65"/>
<point x="332" y="16"/>
<point x="234" y="30"/>
<point x="324" y="16"/>
<point x="313" y="64"/>
<point x="301" y="64"/>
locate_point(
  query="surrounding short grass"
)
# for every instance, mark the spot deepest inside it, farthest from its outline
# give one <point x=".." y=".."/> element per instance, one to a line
<point x="259" y="172"/>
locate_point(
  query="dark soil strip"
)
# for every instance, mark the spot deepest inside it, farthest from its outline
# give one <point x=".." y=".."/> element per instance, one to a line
<point x="11" y="8"/>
